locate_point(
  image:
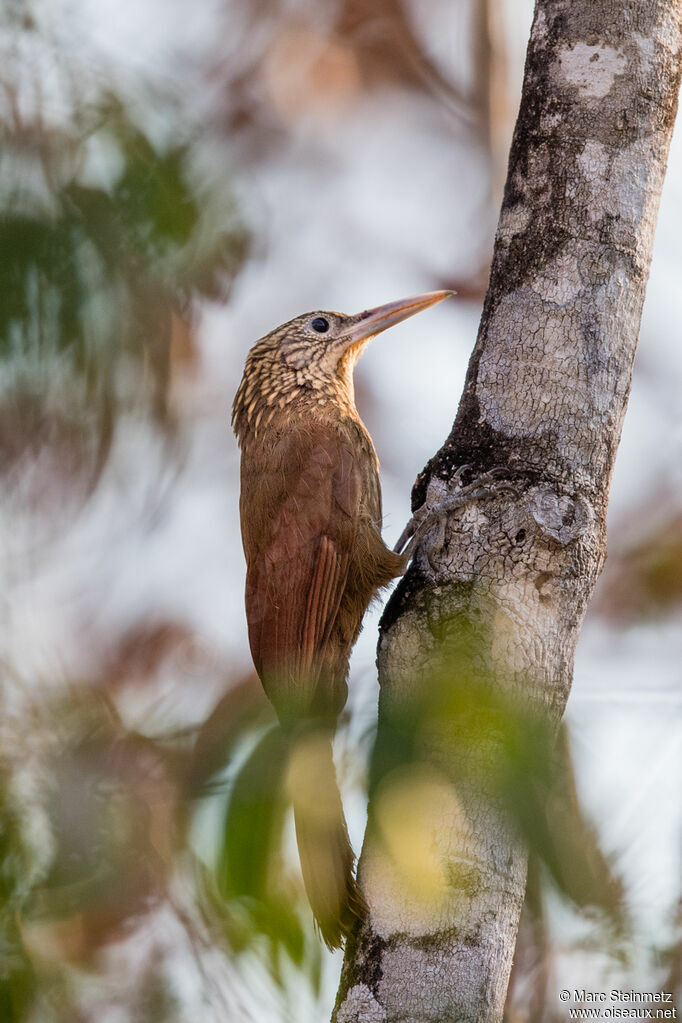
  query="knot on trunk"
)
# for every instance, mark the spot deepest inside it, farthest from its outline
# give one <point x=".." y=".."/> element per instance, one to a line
<point x="562" y="517"/>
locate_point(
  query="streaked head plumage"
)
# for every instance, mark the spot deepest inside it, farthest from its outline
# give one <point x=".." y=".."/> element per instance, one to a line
<point x="308" y="362"/>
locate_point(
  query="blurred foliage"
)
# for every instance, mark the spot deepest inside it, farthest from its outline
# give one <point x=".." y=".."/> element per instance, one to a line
<point x="587" y="880"/>
<point x="242" y="711"/>
<point x="107" y="234"/>
<point x="671" y="956"/>
<point x="264" y="902"/>
<point x="643" y="580"/>
<point x="96" y="847"/>
<point x="87" y="848"/>
<point x="255" y="818"/>
<point x="113" y="820"/>
<point x="502" y="751"/>
<point x="499" y="748"/>
<point x="17" y="977"/>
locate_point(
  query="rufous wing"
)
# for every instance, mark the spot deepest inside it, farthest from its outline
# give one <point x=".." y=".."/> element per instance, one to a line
<point x="298" y="558"/>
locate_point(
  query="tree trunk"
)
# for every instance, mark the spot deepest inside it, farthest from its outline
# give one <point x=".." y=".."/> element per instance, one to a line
<point x="498" y="586"/>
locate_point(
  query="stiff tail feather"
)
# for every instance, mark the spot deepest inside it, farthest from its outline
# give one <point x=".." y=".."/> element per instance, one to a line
<point x="327" y="859"/>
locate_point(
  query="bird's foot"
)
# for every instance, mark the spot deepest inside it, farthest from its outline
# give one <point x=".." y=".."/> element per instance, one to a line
<point x="441" y="500"/>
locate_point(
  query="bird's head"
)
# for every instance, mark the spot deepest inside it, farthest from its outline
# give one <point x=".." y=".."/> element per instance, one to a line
<point x="310" y="360"/>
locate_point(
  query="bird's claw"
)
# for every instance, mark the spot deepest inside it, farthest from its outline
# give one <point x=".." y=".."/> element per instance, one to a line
<point x="407" y="532"/>
<point x="438" y="509"/>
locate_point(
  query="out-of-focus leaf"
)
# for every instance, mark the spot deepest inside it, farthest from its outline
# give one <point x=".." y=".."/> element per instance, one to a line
<point x="153" y="197"/>
<point x="17" y="975"/>
<point x="644" y="579"/>
<point x="508" y="753"/>
<point x="254" y="819"/>
<point x="533" y="966"/>
<point x="93" y="270"/>
<point x="113" y="818"/>
<point x="262" y="906"/>
<point x="242" y="709"/>
<point x="578" y="870"/>
<point x="277" y="919"/>
<point x="17" y="979"/>
<point x="582" y="871"/>
<point x="156" y="1002"/>
<point x="671" y="956"/>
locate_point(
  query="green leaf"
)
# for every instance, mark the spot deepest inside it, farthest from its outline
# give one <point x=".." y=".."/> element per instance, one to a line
<point x="254" y="819"/>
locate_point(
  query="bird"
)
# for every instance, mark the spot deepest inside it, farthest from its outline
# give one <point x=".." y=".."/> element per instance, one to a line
<point x="311" y="516"/>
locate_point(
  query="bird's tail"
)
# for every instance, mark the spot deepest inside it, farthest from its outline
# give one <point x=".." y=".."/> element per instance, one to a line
<point x="327" y="859"/>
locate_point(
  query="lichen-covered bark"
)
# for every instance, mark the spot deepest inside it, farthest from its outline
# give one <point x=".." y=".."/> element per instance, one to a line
<point x="545" y="396"/>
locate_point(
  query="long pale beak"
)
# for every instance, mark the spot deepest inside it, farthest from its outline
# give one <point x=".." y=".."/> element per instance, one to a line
<point x="373" y="321"/>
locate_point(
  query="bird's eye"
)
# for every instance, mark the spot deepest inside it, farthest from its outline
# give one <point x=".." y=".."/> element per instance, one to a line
<point x="320" y="325"/>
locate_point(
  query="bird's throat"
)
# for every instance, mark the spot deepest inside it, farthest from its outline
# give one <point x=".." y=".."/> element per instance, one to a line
<point x="344" y="378"/>
<point x="272" y="393"/>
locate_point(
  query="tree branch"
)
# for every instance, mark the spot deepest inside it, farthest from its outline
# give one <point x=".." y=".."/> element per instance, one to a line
<point x="479" y="637"/>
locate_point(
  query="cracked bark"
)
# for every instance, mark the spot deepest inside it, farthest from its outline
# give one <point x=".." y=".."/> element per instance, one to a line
<point x="545" y="397"/>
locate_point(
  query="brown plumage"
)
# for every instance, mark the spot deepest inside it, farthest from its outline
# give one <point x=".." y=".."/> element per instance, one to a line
<point x="310" y="510"/>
